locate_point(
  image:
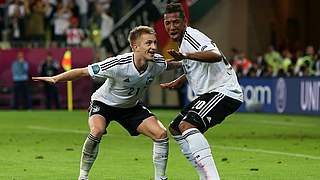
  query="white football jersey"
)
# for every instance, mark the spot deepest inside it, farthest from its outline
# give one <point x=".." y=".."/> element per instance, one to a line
<point x="208" y="77"/>
<point x="124" y="85"/>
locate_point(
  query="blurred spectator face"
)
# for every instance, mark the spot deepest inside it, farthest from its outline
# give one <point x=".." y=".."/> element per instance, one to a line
<point x="287" y="54"/>
<point x="74" y="22"/>
<point x="49" y="57"/>
<point x="20" y="56"/>
<point x="98" y="8"/>
<point x="310" y="50"/>
<point x="174" y="25"/>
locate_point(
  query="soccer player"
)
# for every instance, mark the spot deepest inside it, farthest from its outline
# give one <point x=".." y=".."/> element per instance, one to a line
<point x="127" y="77"/>
<point x="213" y="81"/>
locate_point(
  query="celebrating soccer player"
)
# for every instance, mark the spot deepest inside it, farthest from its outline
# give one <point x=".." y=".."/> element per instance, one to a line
<point x="127" y="77"/>
<point x="213" y="81"/>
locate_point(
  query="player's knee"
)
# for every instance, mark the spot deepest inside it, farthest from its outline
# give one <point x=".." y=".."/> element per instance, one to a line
<point x="97" y="132"/>
<point x="173" y="131"/>
<point x="161" y="134"/>
<point x="183" y="126"/>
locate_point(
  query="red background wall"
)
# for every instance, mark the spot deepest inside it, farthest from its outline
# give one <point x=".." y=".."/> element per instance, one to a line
<point x="82" y="88"/>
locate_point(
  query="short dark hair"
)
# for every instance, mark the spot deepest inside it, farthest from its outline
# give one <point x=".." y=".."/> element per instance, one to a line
<point x="137" y="32"/>
<point x="174" y="8"/>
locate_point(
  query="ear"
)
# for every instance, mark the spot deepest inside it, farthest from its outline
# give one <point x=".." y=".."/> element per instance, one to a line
<point x="134" y="46"/>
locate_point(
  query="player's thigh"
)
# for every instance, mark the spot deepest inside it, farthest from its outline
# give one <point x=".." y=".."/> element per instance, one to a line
<point x="210" y="109"/>
<point x="98" y="119"/>
<point x="152" y="128"/>
<point x="131" y="118"/>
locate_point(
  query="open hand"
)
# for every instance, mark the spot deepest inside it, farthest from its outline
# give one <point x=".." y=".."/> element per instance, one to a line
<point x="178" y="56"/>
<point x="50" y="80"/>
<point x="171" y="85"/>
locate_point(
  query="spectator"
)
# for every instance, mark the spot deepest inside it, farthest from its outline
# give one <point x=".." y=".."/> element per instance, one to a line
<point x="305" y="64"/>
<point x="16" y="14"/>
<point x="20" y="69"/>
<point x="35" y="26"/>
<point x="101" y="25"/>
<point x="245" y="63"/>
<point x="74" y="33"/>
<point x="273" y="59"/>
<point x="50" y="67"/>
<point x="286" y="62"/>
<point x="61" y="22"/>
<point x="317" y="65"/>
<point x="267" y="71"/>
<point x="83" y="13"/>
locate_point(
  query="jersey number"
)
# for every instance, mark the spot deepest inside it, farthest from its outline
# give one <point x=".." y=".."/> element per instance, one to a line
<point x="133" y="91"/>
<point x="198" y="105"/>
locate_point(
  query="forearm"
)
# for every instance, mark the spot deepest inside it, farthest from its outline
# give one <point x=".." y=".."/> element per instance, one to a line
<point x="71" y="75"/>
<point x="173" y="65"/>
<point x="181" y="78"/>
<point x="205" y="56"/>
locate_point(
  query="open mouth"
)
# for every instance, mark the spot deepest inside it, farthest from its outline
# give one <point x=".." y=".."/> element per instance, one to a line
<point x="173" y="33"/>
<point x="151" y="53"/>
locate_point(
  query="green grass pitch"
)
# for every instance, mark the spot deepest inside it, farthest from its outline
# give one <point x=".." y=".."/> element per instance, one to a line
<point x="46" y="145"/>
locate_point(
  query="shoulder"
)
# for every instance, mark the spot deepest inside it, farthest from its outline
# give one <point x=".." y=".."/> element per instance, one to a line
<point x="193" y="38"/>
<point x="116" y="61"/>
<point x="193" y="32"/>
<point x="158" y="58"/>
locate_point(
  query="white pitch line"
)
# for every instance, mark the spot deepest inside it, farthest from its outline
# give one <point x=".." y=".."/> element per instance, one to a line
<point x="267" y="152"/>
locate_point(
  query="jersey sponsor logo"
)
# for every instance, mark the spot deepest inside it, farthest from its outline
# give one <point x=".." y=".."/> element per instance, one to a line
<point x="95" y="69"/>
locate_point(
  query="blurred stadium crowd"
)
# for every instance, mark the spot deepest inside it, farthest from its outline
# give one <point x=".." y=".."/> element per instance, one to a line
<point x="274" y="63"/>
<point x="59" y="23"/>
<point x="86" y="23"/>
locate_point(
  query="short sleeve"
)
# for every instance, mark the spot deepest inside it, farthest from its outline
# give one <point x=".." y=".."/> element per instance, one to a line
<point x="161" y="63"/>
<point x="103" y="69"/>
<point x="200" y="41"/>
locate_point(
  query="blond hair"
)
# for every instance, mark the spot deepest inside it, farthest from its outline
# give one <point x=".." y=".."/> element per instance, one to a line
<point x="137" y="32"/>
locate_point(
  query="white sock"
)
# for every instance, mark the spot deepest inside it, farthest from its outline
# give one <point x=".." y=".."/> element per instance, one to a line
<point x="200" y="150"/>
<point x="89" y="154"/>
<point x="160" y="157"/>
<point x="185" y="149"/>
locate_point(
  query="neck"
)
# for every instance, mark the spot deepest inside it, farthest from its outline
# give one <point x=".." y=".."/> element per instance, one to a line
<point x="181" y="37"/>
<point x="140" y="63"/>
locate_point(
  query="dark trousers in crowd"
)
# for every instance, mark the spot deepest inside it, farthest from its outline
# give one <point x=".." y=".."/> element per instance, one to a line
<point x="22" y="95"/>
<point x="52" y="96"/>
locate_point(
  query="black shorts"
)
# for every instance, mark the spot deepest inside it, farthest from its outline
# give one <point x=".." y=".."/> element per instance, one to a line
<point x="129" y="118"/>
<point x="206" y="111"/>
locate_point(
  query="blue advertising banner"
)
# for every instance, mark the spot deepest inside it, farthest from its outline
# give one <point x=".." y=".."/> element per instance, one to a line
<point x="279" y="95"/>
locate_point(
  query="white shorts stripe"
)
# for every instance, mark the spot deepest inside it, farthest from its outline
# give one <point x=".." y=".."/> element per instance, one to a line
<point x="208" y="104"/>
<point x="211" y="105"/>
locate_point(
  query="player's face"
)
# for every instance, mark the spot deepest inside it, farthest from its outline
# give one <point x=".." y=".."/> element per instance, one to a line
<point x="174" y="25"/>
<point x="146" y="46"/>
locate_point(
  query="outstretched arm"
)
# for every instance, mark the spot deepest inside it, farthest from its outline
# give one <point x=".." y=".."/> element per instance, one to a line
<point x="203" y="56"/>
<point x="66" y="76"/>
<point x="177" y="83"/>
